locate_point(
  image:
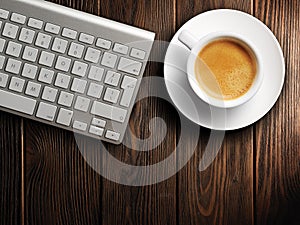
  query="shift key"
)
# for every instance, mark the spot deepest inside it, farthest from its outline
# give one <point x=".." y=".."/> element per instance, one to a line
<point x="109" y="112"/>
<point x="18" y="103"/>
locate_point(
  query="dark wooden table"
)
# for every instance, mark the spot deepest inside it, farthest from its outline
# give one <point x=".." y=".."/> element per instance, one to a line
<point x="255" y="178"/>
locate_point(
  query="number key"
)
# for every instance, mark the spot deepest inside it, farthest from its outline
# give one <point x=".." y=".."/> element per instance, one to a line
<point x="43" y="40"/>
<point x="76" y="50"/>
<point x="59" y="45"/>
<point x="10" y="30"/>
<point x="26" y="35"/>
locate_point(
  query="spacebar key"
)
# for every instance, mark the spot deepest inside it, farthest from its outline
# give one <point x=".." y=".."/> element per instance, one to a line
<point x="109" y="112"/>
<point x="17" y="102"/>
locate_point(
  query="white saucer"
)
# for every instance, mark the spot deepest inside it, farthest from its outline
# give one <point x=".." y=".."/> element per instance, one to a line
<point x="273" y="68"/>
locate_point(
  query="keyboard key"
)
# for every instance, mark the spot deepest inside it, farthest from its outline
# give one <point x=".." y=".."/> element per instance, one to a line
<point x="3" y="79"/>
<point x="112" y="78"/>
<point x="30" y="54"/>
<point x="0" y="24"/>
<point x="13" y="49"/>
<point x="112" y="135"/>
<point x="4" y="14"/>
<point x="76" y="50"/>
<point x="96" y="130"/>
<point x="128" y="84"/>
<point x="65" y="99"/>
<point x="102" y="43"/>
<point x="138" y="54"/>
<point x="86" y="38"/>
<point x="64" y="117"/>
<point x="109" y="60"/>
<point x="68" y="33"/>
<point x="33" y="89"/>
<point x="79" y="69"/>
<point x="95" y="90"/>
<point x="18" y="18"/>
<point x="49" y="94"/>
<point x="52" y="28"/>
<point x="78" y="85"/>
<point x="79" y="125"/>
<point x="2" y="44"/>
<point x="96" y="73"/>
<point x="43" y="40"/>
<point x="34" y="23"/>
<point x="63" y="64"/>
<point x="129" y="66"/>
<point x="17" y="102"/>
<point x="98" y="122"/>
<point x="29" y="71"/>
<point x="13" y="66"/>
<point x="62" y="80"/>
<point x="119" y="48"/>
<point x="46" y="111"/>
<point x="46" y="59"/>
<point x="108" y="112"/>
<point x="2" y="60"/>
<point x="10" y="30"/>
<point x="16" y="84"/>
<point x="92" y="55"/>
<point x="82" y="104"/>
<point x="27" y="35"/>
<point x="111" y="95"/>
<point x="59" y="45"/>
<point x="46" y="76"/>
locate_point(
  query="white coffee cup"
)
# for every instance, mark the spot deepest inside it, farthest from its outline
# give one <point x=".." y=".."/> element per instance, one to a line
<point x="196" y="46"/>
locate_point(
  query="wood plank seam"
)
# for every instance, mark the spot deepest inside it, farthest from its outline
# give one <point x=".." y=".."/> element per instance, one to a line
<point x="22" y="173"/>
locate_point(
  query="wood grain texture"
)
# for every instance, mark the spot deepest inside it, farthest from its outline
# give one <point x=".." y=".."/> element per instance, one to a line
<point x="60" y="187"/>
<point x="278" y="134"/>
<point x="223" y="193"/>
<point x="154" y="204"/>
<point x="10" y="169"/>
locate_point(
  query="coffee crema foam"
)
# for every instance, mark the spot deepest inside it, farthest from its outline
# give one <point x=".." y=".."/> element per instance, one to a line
<point x="225" y="69"/>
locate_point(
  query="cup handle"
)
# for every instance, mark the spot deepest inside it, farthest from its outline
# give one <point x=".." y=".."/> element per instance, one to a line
<point x="186" y="38"/>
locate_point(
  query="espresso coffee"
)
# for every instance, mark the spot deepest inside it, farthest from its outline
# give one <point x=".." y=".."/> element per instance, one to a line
<point x="225" y="69"/>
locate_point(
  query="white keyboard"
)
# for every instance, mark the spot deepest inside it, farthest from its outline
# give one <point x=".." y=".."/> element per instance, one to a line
<point x="70" y="69"/>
